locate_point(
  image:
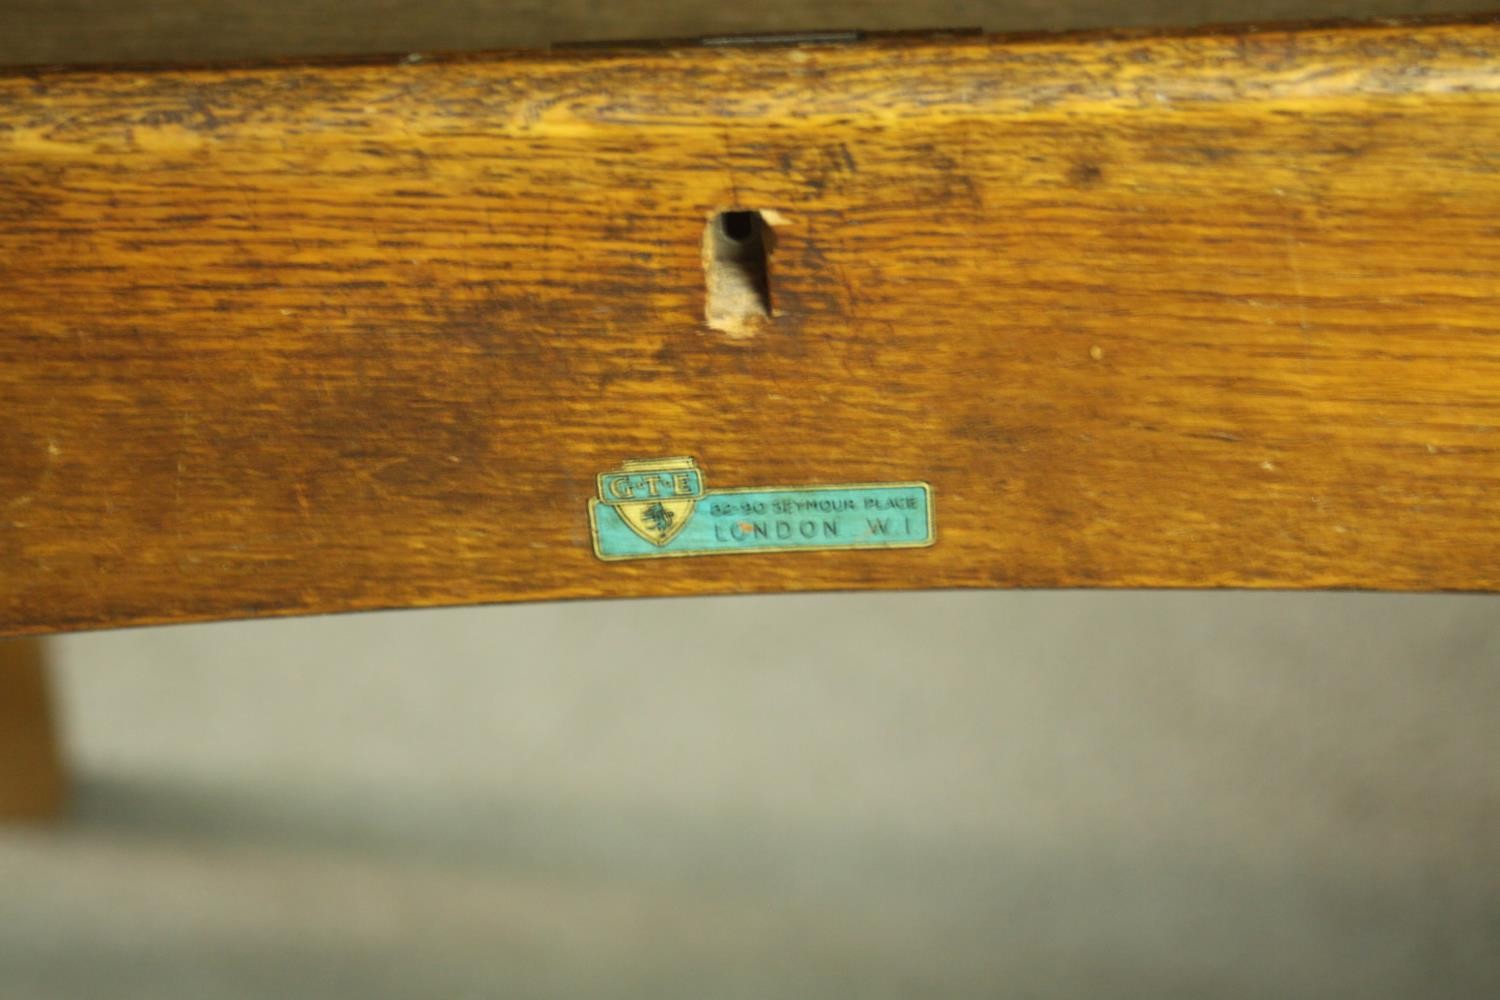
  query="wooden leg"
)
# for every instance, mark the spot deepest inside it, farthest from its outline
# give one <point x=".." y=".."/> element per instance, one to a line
<point x="31" y="772"/>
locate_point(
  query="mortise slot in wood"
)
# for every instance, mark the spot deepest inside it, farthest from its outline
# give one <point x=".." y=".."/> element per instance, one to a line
<point x="736" y="245"/>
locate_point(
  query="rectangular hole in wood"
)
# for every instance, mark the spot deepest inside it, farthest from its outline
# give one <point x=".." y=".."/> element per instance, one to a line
<point x="735" y="250"/>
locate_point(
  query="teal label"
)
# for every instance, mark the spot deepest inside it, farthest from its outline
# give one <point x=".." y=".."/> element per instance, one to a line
<point x="656" y="508"/>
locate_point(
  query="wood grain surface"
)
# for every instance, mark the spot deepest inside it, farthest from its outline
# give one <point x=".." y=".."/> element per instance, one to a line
<point x="1189" y="310"/>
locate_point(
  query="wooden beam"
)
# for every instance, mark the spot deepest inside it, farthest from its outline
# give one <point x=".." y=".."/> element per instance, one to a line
<point x="1183" y="310"/>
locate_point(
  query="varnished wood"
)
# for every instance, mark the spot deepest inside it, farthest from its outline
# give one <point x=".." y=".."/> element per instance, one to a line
<point x="1204" y="309"/>
<point x="31" y="772"/>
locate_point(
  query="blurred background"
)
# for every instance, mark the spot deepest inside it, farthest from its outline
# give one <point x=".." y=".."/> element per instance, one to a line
<point x="894" y="795"/>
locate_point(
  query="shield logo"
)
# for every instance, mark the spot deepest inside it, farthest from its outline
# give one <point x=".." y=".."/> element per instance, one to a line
<point x="655" y="498"/>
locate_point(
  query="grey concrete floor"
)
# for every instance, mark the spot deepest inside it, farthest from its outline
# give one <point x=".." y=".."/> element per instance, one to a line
<point x="1025" y="794"/>
<point x="1020" y="794"/>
